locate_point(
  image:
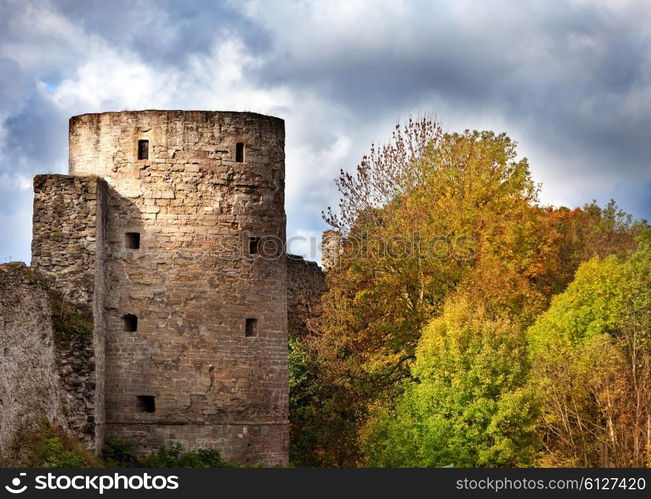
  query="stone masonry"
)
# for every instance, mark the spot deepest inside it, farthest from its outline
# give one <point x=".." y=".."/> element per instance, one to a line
<point x="331" y="248"/>
<point x="47" y="368"/>
<point x="166" y="244"/>
<point x="69" y="253"/>
<point x="30" y="387"/>
<point x="305" y="285"/>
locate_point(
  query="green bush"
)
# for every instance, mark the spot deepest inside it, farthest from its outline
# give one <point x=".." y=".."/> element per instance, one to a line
<point x="52" y="454"/>
<point x="47" y="446"/>
<point x="118" y="453"/>
<point x="171" y="455"/>
<point x="468" y="404"/>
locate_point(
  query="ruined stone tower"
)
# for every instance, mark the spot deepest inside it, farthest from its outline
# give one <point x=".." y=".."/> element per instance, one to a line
<point x="168" y="232"/>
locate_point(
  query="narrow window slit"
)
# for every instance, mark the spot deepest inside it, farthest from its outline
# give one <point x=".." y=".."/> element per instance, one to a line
<point x="130" y="323"/>
<point x="146" y="403"/>
<point x="254" y="245"/>
<point x="251" y="327"/>
<point x="132" y="240"/>
<point x="239" y="152"/>
<point x="143" y="149"/>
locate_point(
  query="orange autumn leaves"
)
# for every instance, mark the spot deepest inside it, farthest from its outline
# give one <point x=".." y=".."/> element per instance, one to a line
<point x="432" y="219"/>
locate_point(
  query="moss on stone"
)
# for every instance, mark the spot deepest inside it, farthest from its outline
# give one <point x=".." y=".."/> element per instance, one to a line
<point x="68" y="322"/>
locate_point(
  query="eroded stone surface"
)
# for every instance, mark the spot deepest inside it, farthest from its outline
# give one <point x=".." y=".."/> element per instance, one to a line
<point x="331" y="248"/>
<point x="30" y="386"/>
<point x="305" y="285"/>
<point x="192" y="284"/>
<point x="154" y="256"/>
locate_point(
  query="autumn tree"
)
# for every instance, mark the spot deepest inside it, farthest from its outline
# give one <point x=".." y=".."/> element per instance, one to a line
<point x="464" y="200"/>
<point x="456" y="205"/>
<point x="579" y="234"/>
<point x="426" y="215"/>
<point x="591" y="355"/>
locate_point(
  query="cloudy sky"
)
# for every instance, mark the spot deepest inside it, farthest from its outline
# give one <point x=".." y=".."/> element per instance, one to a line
<point x="570" y="80"/>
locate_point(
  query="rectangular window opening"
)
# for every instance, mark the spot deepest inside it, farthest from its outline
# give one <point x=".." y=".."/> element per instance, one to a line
<point x="143" y="149"/>
<point x="251" y="327"/>
<point x="239" y="152"/>
<point x="254" y="245"/>
<point x="132" y="240"/>
<point x="130" y="323"/>
<point x="146" y="403"/>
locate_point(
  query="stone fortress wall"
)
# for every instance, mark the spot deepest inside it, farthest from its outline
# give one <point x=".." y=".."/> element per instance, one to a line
<point x="166" y="240"/>
<point x="69" y="254"/>
<point x="305" y="285"/>
<point x="180" y="364"/>
<point x="30" y="384"/>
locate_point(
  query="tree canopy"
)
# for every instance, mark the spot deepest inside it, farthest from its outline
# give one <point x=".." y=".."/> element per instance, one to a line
<point x="448" y="258"/>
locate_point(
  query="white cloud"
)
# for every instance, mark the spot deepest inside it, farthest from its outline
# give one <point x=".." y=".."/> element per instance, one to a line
<point x="305" y="243"/>
<point x="41" y="40"/>
<point x="571" y="82"/>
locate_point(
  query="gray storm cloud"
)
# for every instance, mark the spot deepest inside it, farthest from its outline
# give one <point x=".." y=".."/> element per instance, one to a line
<point x="570" y="81"/>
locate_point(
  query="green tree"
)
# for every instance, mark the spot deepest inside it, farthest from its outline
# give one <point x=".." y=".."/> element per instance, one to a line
<point x="591" y="355"/>
<point x="468" y="405"/>
<point x="317" y="403"/>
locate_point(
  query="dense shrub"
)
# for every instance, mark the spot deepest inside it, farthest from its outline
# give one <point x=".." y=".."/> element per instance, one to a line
<point x="118" y="453"/>
<point x="48" y="446"/>
<point x="172" y="455"/>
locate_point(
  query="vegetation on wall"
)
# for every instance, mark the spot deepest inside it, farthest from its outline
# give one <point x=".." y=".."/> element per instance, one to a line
<point x="69" y="324"/>
<point x="118" y="452"/>
<point x="48" y="446"/>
